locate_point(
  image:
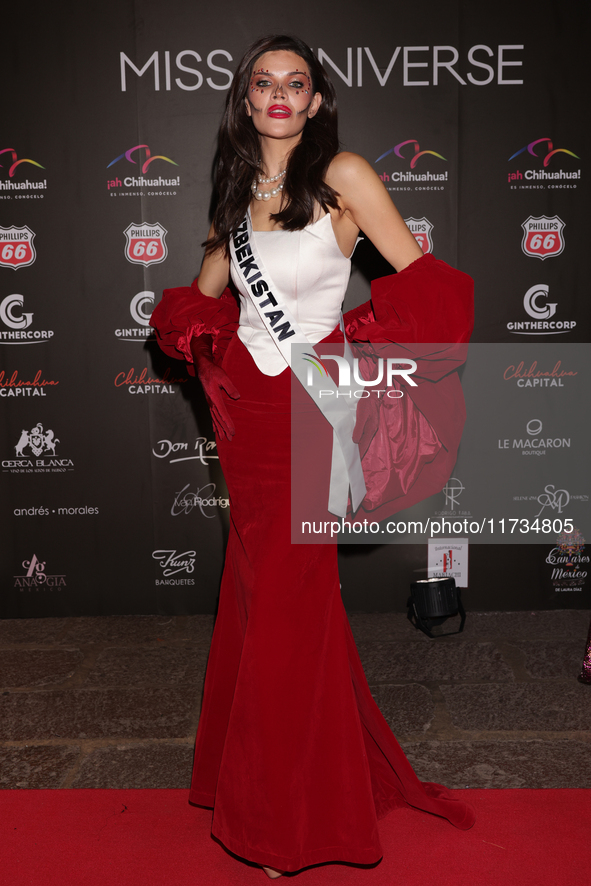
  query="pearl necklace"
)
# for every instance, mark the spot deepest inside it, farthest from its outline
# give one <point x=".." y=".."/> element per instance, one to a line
<point x="266" y="195"/>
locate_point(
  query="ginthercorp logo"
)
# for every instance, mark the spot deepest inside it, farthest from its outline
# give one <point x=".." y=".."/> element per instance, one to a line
<point x="15" y="186"/>
<point x="36" y="578"/>
<point x="142" y="158"/>
<point x="140" y="308"/>
<point x="35" y="453"/>
<point x="409" y="151"/>
<point x="16" y="247"/>
<point x="387" y="372"/>
<point x="545" y="173"/>
<point x="542" y="236"/>
<point x="19" y="322"/>
<point x="535" y="442"/>
<point x="145" y="244"/>
<point x="537" y="304"/>
<point x="421" y="229"/>
<point x="173" y="564"/>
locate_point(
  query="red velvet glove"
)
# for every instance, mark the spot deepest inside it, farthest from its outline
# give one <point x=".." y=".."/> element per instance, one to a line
<point x="214" y="381"/>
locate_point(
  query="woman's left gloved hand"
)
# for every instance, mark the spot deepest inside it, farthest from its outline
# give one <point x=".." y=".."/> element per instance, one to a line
<point x="215" y="381"/>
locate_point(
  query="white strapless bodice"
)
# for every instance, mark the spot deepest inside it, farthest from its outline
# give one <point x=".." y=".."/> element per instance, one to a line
<point x="311" y="275"/>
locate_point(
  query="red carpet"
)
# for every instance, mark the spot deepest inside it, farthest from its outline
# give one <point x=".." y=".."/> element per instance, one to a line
<point x="128" y="838"/>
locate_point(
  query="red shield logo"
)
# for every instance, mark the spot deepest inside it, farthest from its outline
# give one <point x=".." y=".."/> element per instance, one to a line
<point x="145" y="244"/>
<point x="16" y="247"/>
<point x="421" y="229"/>
<point x="543" y="237"/>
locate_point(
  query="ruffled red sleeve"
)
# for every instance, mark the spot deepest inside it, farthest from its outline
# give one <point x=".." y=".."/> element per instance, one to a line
<point x="185" y="312"/>
<point x="411" y="447"/>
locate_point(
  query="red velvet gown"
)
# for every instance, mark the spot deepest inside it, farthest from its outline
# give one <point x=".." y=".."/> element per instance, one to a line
<point x="292" y="752"/>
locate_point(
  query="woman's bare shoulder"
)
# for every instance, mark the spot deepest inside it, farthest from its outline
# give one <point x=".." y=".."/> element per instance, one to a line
<point x="345" y="167"/>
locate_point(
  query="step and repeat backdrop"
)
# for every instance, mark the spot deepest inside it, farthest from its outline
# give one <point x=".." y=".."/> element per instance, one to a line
<point x="112" y="500"/>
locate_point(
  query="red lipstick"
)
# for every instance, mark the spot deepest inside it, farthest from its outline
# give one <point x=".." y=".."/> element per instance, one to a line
<point x="279" y="111"/>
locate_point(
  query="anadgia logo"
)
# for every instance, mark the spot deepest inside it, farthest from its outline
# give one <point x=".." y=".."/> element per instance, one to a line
<point x="139" y="180"/>
<point x="36" y="577"/>
<point x="542" y="236"/>
<point x="18" y="322"/>
<point x="145" y="244"/>
<point x="536" y="149"/>
<point x="536" y="304"/>
<point x="140" y="308"/>
<point x="421" y="229"/>
<point x="413" y="157"/>
<point x="16" y="247"/>
<point x="22" y="185"/>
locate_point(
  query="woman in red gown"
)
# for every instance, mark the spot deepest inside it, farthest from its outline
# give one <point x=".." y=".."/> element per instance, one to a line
<point x="292" y="752"/>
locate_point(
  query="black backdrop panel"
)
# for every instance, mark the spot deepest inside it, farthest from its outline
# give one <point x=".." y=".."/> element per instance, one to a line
<point x="111" y="496"/>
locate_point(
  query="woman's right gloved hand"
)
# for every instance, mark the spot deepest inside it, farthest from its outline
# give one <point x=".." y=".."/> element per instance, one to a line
<point x="214" y="381"/>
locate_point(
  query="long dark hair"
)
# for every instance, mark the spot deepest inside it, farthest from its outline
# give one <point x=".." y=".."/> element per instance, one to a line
<point x="239" y="150"/>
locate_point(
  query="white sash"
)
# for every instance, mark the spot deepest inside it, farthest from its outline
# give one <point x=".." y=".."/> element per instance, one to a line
<point x="346" y="472"/>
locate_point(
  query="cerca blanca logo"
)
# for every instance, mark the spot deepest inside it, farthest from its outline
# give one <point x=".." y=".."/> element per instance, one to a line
<point x="140" y="308"/>
<point x="35" y="453"/>
<point x="537" y="305"/>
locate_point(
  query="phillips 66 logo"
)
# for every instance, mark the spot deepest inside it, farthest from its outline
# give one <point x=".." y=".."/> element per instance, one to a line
<point x="421" y="229"/>
<point x="16" y="247"/>
<point x="145" y="244"/>
<point x="543" y="237"/>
